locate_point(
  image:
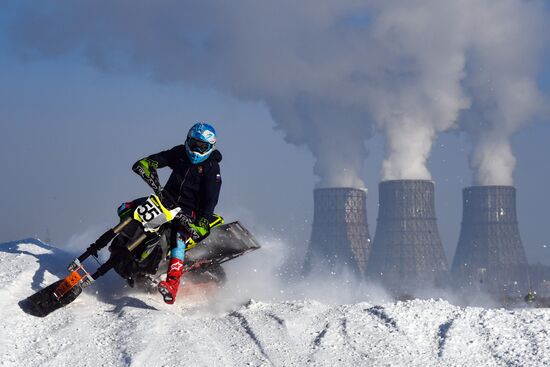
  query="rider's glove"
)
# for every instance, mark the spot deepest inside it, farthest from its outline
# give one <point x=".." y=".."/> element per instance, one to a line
<point x="183" y="219"/>
<point x="200" y="229"/>
<point x="186" y="222"/>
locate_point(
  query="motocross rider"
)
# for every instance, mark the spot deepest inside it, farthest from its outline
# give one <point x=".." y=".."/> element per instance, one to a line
<point x="194" y="185"/>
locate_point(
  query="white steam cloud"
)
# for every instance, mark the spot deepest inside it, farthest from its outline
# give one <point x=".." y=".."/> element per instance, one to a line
<point x="446" y="64"/>
<point x="331" y="71"/>
<point x="417" y="91"/>
<point x="501" y="78"/>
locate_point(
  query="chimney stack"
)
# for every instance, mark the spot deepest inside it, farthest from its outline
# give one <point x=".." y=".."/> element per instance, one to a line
<point x="407" y="252"/>
<point x="340" y="235"/>
<point x="490" y="256"/>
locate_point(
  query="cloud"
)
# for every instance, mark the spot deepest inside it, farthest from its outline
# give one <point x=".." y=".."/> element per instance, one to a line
<point x="329" y="72"/>
<point x="504" y="61"/>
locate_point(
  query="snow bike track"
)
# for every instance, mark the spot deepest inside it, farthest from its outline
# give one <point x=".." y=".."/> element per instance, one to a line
<point x="136" y="329"/>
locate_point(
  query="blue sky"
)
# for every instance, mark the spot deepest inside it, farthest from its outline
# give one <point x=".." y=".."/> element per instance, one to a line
<point x="71" y="132"/>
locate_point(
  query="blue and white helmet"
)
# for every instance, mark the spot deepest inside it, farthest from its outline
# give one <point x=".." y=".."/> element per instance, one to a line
<point x="200" y="142"/>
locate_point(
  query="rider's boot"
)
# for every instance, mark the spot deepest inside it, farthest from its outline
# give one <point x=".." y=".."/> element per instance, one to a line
<point x="169" y="287"/>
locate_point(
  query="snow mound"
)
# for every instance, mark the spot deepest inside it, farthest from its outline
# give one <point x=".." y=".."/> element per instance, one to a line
<point x="139" y="330"/>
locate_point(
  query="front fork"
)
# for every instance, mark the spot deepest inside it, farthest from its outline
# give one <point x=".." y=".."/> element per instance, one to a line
<point x="78" y="274"/>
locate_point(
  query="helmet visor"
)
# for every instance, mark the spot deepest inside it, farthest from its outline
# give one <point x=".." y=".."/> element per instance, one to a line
<point x="198" y="146"/>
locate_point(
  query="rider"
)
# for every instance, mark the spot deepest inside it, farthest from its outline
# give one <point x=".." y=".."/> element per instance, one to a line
<point x="194" y="186"/>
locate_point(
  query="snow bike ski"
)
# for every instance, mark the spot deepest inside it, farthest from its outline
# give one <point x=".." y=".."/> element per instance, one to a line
<point x="139" y="250"/>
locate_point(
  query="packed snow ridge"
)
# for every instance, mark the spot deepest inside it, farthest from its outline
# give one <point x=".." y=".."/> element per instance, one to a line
<point x="137" y="329"/>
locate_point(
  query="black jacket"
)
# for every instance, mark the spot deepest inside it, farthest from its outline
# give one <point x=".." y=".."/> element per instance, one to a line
<point x="195" y="187"/>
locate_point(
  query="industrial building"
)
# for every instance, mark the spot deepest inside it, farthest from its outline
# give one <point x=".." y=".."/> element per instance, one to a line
<point x="490" y="255"/>
<point x="407" y="253"/>
<point x="340" y="239"/>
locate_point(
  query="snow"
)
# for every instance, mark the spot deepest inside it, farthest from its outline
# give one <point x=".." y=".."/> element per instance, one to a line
<point x="109" y="326"/>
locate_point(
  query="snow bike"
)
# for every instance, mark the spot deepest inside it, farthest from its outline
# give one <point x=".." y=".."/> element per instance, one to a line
<point x="140" y="249"/>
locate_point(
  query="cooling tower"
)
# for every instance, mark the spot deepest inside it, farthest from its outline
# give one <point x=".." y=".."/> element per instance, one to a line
<point x="340" y="235"/>
<point x="407" y="254"/>
<point x="490" y="255"/>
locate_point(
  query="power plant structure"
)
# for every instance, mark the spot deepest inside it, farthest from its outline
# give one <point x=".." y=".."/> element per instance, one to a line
<point x="490" y="255"/>
<point x="407" y="253"/>
<point x="340" y="241"/>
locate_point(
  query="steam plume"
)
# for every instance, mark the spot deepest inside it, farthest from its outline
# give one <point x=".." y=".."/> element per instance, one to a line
<point x="504" y="60"/>
<point x="330" y="71"/>
<point x="417" y="93"/>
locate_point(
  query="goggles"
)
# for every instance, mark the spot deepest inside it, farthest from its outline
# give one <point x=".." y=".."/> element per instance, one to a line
<point x="199" y="146"/>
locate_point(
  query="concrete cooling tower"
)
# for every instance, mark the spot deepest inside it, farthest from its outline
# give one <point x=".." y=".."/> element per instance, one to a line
<point x="490" y="256"/>
<point x="407" y="252"/>
<point x="340" y="236"/>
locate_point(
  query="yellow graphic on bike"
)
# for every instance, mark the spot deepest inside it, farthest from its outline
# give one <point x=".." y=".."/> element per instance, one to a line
<point x="152" y="214"/>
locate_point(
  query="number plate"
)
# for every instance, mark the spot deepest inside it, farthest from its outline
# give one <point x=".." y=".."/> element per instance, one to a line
<point x="148" y="211"/>
<point x="152" y="214"/>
